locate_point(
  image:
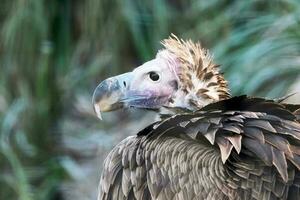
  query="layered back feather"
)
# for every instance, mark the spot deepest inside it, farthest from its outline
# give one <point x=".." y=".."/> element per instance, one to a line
<point x="240" y="148"/>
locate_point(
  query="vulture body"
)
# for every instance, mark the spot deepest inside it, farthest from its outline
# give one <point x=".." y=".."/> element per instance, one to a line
<point x="215" y="147"/>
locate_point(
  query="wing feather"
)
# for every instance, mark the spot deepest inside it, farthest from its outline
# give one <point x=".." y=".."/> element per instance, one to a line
<point x="253" y="150"/>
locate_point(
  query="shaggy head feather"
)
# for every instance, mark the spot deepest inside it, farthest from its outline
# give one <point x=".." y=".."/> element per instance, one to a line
<point x="200" y="80"/>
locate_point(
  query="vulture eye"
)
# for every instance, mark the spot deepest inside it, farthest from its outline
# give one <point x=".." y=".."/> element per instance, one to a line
<point x="154" y="76"/>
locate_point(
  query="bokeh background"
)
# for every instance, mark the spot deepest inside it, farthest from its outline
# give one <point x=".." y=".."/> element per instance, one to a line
<point x="54" y="53"/>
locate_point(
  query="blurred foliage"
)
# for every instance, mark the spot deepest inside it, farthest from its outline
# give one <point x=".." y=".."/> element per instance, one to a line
<point x="53" y="53"/>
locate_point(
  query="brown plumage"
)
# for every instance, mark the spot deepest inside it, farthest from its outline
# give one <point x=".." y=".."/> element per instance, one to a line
<point x="199" y="76"/>
<point x="236" y="148"/>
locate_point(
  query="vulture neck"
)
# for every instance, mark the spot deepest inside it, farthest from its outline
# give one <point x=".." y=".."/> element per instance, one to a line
<point x="199" y="80"/>
<point x="198" y="88"/>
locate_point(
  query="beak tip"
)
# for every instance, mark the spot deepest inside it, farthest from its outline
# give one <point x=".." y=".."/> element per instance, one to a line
<point x="98" y="111"/>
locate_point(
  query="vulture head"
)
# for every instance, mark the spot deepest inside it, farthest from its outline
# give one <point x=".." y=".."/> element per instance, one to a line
<point x="182" y="75"/>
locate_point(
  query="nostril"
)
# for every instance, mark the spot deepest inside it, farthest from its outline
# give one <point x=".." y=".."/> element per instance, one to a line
<point x="124" y="83"/>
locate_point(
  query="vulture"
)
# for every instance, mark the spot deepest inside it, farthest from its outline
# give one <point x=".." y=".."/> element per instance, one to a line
<point x="206" y="144"/>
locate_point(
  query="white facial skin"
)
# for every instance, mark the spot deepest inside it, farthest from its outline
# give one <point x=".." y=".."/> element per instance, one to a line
<point x="154" y="83"/>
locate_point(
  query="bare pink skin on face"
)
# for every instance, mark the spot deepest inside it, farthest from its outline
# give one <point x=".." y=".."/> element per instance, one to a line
<point x="157" y="93"/>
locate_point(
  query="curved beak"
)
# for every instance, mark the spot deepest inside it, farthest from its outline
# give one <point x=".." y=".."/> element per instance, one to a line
<point x="109" y="94"/>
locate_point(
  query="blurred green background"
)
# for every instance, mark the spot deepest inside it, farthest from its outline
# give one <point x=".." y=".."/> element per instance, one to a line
<point x="54" y="53"/>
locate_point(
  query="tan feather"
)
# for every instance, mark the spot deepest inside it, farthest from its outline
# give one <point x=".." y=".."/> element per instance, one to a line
<point x="198" y="74"/>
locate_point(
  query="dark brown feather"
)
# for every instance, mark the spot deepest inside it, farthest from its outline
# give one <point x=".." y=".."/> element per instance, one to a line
<point x="191" y="156"/>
